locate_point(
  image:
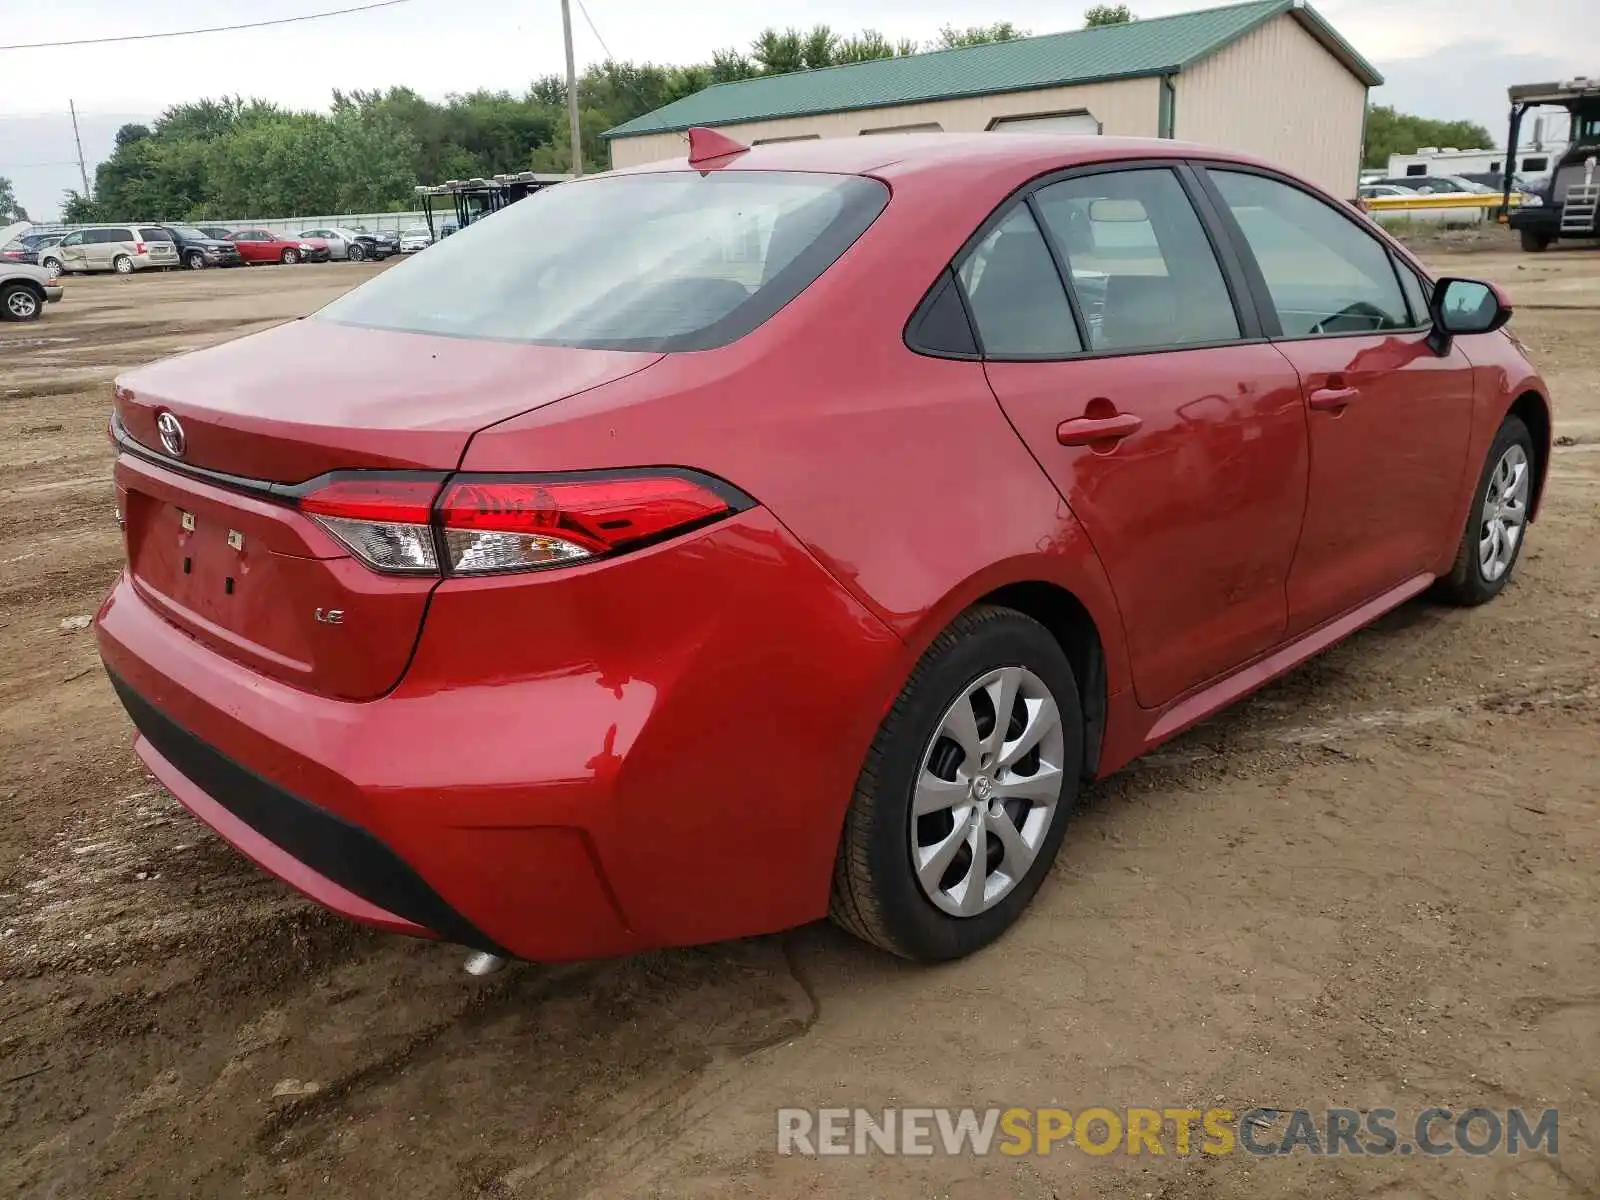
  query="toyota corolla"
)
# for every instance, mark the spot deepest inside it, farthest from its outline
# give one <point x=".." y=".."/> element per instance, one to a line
<point x="699" y="550"/>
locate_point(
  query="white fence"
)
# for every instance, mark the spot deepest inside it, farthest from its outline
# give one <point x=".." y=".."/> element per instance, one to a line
<point x="372" y="222"/>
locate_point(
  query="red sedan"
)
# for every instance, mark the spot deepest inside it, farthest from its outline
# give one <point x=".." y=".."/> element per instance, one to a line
<point x="703" y="549"/>
<point x="264" y="246"/>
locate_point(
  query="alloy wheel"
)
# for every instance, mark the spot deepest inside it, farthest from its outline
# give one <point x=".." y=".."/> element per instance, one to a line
<point x="22" y="305"/>
<point x="1505" y="512"/>
<point x="986" y="793"/>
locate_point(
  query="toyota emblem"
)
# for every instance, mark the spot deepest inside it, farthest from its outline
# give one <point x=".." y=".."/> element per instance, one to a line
<point x="172" y="436"/>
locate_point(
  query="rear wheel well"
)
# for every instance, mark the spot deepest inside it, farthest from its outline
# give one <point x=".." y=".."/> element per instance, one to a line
<point x="1535" y="414"/>
<point x="1069" y="622"/>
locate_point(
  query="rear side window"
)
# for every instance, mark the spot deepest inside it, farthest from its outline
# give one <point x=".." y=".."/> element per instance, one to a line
<point x="1015" y="293"/>
<point x="666" y="261"/>
<point x="1140" y="261"/>
<point x="1325" y="274"/>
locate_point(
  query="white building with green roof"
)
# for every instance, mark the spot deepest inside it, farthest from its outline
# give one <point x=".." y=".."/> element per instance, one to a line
<point x="1270" y="78"/>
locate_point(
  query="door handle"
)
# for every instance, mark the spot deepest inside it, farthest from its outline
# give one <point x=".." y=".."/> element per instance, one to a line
<point x="1086" y="431"/>
<point x="1332" y="399"/>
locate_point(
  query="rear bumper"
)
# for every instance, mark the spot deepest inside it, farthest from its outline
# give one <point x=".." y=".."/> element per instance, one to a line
<point x="655" y="751"/>
<point x="336" y="863"/>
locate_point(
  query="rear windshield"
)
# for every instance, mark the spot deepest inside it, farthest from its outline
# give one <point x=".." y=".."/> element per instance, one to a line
<point x="189" y="232"/>
<point x="664" y="261"/>
<point x="155" y="235"/>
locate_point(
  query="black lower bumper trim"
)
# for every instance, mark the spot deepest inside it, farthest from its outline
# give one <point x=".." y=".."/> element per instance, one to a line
<point x="328" y="844"/>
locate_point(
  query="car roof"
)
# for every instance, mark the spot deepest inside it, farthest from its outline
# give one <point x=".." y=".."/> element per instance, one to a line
<point x="904" y="154"/>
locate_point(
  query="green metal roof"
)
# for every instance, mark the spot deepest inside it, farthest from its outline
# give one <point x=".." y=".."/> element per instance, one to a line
<point x="1155" y="46"/>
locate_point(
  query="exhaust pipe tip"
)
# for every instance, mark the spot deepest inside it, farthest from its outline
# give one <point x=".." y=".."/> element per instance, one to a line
<point x="481" y="962"/>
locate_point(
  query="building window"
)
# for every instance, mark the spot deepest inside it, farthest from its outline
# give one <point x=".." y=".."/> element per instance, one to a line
<point x="1536" y="165"/>
<point x="796" y="137"/>
<point x="1081" y="121"/>
<point x="924" y="127"/>
<point x="1417" y="169"/>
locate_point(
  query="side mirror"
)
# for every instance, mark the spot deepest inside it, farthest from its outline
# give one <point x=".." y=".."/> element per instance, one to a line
<point x="1465" y="306"/>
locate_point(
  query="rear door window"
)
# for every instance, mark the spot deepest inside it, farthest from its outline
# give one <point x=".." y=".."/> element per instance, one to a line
<point x="1139" y="259"/>
<point x="1324" y="272"/>
<point x="665" y="261"/>
<point x="1015" y="293"/>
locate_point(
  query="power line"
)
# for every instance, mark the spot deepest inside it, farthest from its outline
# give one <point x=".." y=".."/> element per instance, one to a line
<point x="590" y="20"/>
<point x="145" y="37"/>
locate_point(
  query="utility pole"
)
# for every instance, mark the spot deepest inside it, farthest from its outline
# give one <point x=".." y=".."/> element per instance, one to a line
<point x="83" y="171"/>
<point x="572" y="89"/>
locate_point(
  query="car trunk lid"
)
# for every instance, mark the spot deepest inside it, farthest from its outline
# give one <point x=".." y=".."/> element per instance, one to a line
<point x="214" y="540"/>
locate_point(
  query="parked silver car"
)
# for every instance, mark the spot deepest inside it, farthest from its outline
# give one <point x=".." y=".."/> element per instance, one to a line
<point x="24" y="291"/>
<point x="120" y="248"/>
<point x="354" y="245"/>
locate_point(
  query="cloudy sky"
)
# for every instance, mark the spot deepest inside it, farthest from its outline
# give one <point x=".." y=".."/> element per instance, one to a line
<point x="1442" y="58"/>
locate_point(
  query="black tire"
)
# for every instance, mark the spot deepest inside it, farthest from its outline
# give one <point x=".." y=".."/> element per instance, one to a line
<point x="194" y="260"/>
<point x="876" y="895"/>
<point x="21" y="302"/>
<point x="1466" y="585"/>
<point x="357" y="252"/>
<point x="122" y="265"/>
<point x="1535" y="241"/>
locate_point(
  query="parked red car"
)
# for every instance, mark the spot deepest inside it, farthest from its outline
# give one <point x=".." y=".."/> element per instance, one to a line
<point x="264" y="246"/>
<point x="698" y="550"/>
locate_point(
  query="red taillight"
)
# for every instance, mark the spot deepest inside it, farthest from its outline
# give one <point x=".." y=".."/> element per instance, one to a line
<point x="492" y="523"/>
<point x="500" y="523"/>
<point x="375" y="498"/>
<point x="138" y="247"/>
<point x="384" y="520"/>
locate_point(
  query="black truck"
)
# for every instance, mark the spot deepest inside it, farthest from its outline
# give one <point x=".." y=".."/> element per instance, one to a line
<point x="1568" y="208"/>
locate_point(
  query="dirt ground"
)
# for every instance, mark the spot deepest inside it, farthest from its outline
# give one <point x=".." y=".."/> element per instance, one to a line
<point x="1373" y="884"/>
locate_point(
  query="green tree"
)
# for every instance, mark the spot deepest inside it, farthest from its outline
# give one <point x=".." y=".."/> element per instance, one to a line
<point x="729" y="65"/>
<point x="1390" y="132"/>
<point x="865" y="46"/>
<point x="230" y="157"/>
<point x="817" y="48"/>
<point x="778" y="53"/>
<point x="1107" y="14"/>
<point x="951" y="38"/>
<point x="78" y="209"/>
<point x="10" y="210"/>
